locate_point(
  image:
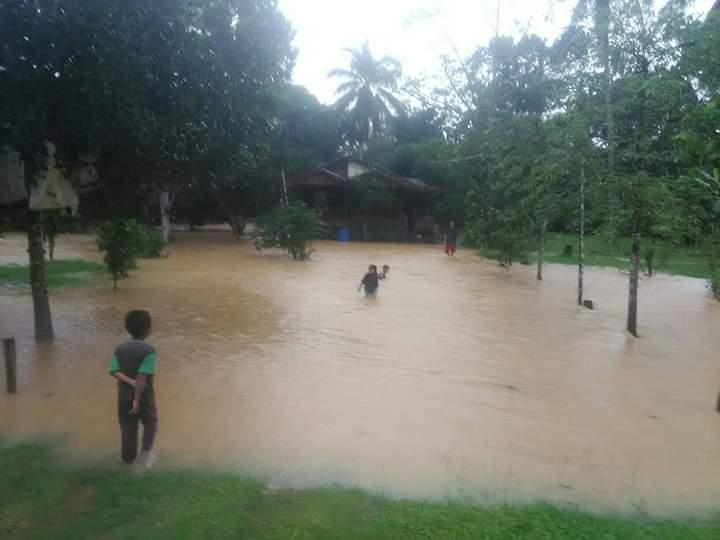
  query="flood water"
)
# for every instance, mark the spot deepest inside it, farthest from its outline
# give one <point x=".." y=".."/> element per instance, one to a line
<point x="459" y="380"/>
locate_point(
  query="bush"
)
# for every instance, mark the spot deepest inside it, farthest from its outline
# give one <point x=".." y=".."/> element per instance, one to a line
<point x="291" y="229"/>
<point x="121" y="240"/>
<point x="567" y="250"/>
<point x="503" y="234"/>
<point x="649" y="256"/>
<point x="124" y="241"/>
<point x="152" y="244"/>
<point x="714" y="281"/>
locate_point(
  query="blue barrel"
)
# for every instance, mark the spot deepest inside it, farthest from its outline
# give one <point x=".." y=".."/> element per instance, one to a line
<point x="344" y="234"/>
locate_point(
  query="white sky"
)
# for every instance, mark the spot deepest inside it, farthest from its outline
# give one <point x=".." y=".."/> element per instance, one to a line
<point x="415" y="32"/>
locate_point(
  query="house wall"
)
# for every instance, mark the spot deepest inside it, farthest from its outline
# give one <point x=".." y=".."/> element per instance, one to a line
<point x="355" y="169"/>
<point x="312" y="181"/>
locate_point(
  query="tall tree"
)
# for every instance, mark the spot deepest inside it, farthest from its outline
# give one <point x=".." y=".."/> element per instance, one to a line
<point x="367" y="93"/>
<point x="504" y="141"/>
<point x="151" y="87"/>
<point x="602" y="32"/>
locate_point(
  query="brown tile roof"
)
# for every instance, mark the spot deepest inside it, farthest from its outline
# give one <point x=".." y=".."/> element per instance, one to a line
<point x="336" y="171"/>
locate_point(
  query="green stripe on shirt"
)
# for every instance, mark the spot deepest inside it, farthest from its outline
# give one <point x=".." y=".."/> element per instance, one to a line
<point x="148" y="364"/>
<point x="114" y="364"/>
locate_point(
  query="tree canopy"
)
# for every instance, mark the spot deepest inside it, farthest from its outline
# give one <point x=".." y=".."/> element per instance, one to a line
<point x="368" y="92"/>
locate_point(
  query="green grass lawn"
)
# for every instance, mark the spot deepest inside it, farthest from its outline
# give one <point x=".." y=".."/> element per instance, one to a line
<point x="39" y="499"/>
<point x="684" y="261"/>
<point x="60" y="273"/>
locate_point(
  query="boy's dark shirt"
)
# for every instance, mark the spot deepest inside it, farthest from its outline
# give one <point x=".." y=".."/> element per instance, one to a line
<point x="131" y="358"/>
<point x="370" y="282"/>
<point x="452" y="237"/>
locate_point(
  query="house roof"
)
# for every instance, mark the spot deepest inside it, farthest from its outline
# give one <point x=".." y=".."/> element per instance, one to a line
<point x="350" y="169"/>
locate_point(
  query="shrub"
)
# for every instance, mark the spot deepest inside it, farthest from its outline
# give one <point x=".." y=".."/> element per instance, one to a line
<point x="121" y="241"/>
<point x="714" y="281"/>
<point x="291" y="229"/>
<point x="567" y="250"/>
<point x="649" y="256"/>
<point x="152" y="244"/>
<point x="505" y="236"/>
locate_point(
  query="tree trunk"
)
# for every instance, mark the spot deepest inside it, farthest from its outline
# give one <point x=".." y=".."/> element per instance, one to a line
<point x="38" y="284"/>
<point x="284" y="200"/>
<point x="165" y="215"/>
<point x="49" y="233"/>
<point x="51" y="247"/>
<point x="541" y="250"/>
<point x="634" y="282"/>
<point x="602" y="28"/>
<point x="236" y="224"/>
<point x="581" y="238"/>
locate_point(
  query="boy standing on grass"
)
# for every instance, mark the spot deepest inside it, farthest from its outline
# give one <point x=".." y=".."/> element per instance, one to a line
<point x="133" y="365"/>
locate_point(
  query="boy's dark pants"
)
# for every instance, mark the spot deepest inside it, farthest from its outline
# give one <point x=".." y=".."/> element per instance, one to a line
<point x="129" y="428"/>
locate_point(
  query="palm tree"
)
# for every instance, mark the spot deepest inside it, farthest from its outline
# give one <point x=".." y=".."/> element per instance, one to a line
<point x="367" y="92"/>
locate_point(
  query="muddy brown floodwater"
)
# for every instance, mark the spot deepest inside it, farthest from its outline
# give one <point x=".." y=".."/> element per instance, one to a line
<point x="459" y="380"/>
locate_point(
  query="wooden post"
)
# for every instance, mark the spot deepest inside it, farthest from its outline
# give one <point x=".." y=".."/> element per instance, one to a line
<point x="541" y="250"/>
<point x="634" y="282"/>
<point x="10" y="365"/>
<point x="165" y="205"/>
<point x="581" y="237"/>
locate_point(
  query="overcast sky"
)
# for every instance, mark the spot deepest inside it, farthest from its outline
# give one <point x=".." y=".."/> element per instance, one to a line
<point x="415" y="32"/>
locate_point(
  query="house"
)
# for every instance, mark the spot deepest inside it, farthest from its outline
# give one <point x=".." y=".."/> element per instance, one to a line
<point x="373" y="203"/>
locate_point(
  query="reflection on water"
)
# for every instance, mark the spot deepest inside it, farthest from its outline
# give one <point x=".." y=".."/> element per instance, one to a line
<point x="460" y="379"/>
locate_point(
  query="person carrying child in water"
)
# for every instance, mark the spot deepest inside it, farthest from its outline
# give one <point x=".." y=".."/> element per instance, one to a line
<point x="370" y="281"/>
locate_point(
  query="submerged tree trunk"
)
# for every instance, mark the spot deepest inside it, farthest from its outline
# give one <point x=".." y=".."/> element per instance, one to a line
<point x="51" y="247"/>
<point x="49" y="233"/>
<point x="581" y="237"/>
<point x="236" y="221"/>
<point x="38" y="284"/>
<point x="165" y="215"/>
<point x="541" y="250"/>
<point x="634" y="282"/>
<point x="650" y="260"/>
<point x="237" y="225"/>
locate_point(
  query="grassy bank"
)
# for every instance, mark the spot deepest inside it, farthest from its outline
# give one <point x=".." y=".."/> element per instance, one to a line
<point x="683" y="261"/>
<point x="41" y="500"/>
<point x="60" y="273"/>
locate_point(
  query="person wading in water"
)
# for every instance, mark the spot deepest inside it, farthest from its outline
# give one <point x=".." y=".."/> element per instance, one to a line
<point x="451" y="240"/>
<point x="370" y="281"/>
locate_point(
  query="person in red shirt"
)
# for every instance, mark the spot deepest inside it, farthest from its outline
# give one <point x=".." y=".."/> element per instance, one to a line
<point x="451" y="240"/>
